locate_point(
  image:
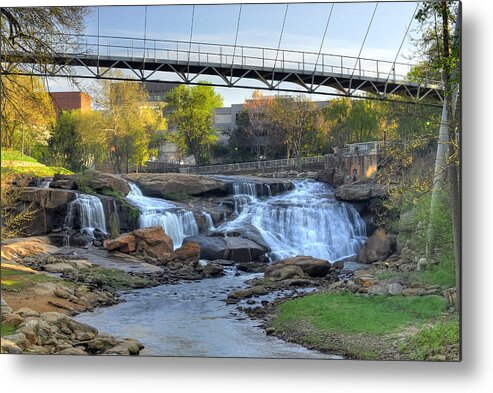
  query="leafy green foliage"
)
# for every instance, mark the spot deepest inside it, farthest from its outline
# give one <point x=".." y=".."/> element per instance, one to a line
<point x="65" y="142"/>
<point x="191" y="116"/>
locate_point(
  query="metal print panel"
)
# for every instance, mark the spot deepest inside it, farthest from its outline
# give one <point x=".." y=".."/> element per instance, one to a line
<point x="234" y="180"/>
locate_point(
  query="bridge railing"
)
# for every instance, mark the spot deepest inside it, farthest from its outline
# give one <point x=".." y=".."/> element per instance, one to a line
<point x="264" y="59"/>
<point x="259" y="166"/>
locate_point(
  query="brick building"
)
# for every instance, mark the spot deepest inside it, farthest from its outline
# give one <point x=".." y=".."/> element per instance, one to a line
<point x="70" y="100"/>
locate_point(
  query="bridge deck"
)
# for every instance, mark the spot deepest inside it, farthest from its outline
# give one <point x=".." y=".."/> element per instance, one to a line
<point x="156" y="60"/>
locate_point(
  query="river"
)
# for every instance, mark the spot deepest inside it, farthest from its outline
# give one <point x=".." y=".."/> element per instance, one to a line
<point x="192" y="318"/>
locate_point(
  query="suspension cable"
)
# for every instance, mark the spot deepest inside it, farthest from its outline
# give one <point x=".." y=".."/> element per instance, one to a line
<point x="190" y="41"/>
<point x="402" y="42"/>
<point x="280" y="36"/>
<point x="236" y="41"/>
<point x="323" y="38"/>
<point x="364" y="40"/>
<point x="145" y="38"/>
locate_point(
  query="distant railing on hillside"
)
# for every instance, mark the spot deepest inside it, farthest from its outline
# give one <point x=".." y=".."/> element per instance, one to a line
<point x="304" y="163"/>
<point x="256" y="166"/>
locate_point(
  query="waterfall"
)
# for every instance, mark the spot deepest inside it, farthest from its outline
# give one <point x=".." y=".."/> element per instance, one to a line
<point x="208" y="220"/>
<point x="89" y="211"/>
<point x="305" y="221"/>
<point x="178" y="223"/>
<point x="45" y="184"/>
<point x="244" y="193"/>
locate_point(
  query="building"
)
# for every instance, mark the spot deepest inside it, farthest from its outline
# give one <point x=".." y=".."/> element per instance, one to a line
<point x="70" y="100"/>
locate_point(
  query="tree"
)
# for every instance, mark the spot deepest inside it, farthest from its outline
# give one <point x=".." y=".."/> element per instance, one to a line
<point x="256" y="109"/>
<point x="40" y="32"/>
<point x="129" y="123"/>
<point x="442" y="54"/>
<point x="191" y="116"/>
<point x="27" y="112"/>
<point x="36" y="31"/>
<point x="292" y="118"/>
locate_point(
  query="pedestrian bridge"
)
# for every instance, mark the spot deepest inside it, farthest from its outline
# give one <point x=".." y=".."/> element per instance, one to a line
<point x="188" y="62"/>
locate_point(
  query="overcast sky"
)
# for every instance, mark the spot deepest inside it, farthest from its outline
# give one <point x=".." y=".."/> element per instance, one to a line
<point x="260" y="25"/>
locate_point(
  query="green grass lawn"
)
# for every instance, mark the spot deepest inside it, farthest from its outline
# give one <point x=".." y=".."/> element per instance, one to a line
<point x="371" y="327"/>
<point x="442" y="339"/>
<point x="13" y="161"/>
<point x="17" y="280"/>
<point x="347" y="313"/>
<point x="7" y="329"/>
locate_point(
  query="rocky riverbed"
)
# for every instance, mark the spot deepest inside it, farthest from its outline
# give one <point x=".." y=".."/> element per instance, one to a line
<point x="216" y="250"/>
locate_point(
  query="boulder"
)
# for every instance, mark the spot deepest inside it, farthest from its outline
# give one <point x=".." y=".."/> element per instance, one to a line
<point x="377" y="290"/>
<point x="230" y="248"/>
<point x="102" y="182"/>
<point x="19" y="339"/>
<point x="98" y="181"/>
<point x="285" y="272"/>
<point x="310" y="266"/>
<point x="360" y="192"/>
<point x="12" y="319"/>
<point x="79" y="239"/>
<point x="378" y="247"/>
<point x="153" y="243"/>
<point x="162" y="185"/>
<point x="210" y="247"/>
<point x="26" y="312"/>
<point x="252" y="267"/>
<point x="394" y="289"/>
<point x="243" y="250"/>
<point x="49" y="207"/>
<point x="9" y="346"/>
<point x="63" y="183"/>
<point x="125" y="243"/>
<point x="187" y="254"/>
<point x="72" y="351"/>
<point x="365" y="280"/>
<point x="213" y="269"/>
<point x="101" y="343"/>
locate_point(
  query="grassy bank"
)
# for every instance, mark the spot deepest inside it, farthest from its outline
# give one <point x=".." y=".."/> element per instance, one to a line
<point x="18" y="280"/>
<point x="364" y="327"/>
<point x="15" y="162"/>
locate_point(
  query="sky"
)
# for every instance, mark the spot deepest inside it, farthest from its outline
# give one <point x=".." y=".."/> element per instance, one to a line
<point x="261" y="25"/>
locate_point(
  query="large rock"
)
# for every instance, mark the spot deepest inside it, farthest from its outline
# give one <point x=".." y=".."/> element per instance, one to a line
<point x="378" y="247"/>
<point x="163" y="185"/>
<point x="187" y="254"/>
<point x="98" y="181"/>
<point x="309" y="266"/>
<point x="360" y="192"/>
<point x="229" y="248"/>
<point x="124" y="243"/>
<point x="64" y="184"/>
<point x="153" y="243"/>
<point x="49" y="207"/>
<point x="102" y="182"/>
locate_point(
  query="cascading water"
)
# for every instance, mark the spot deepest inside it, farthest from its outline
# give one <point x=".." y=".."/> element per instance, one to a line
<point x="305" y="221"/>
<point x="90" y="213"/>
<point x="45" y="184"/>
<point x="244" y="193"/>
<point x="177" y="223"/>
<point x="208" y="220"/>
